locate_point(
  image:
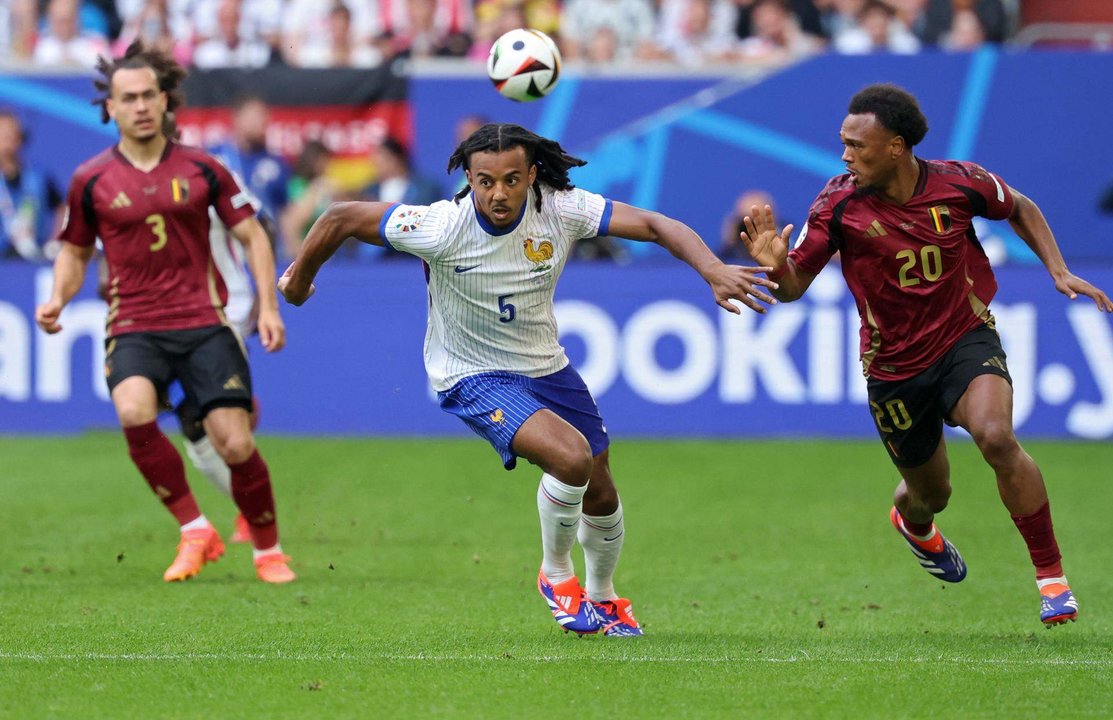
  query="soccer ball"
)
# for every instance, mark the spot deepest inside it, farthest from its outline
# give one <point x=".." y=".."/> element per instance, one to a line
<point x="524" y="65"/>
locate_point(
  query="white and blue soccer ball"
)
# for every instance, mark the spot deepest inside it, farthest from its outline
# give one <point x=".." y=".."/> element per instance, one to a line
<point x="524" y="65"/>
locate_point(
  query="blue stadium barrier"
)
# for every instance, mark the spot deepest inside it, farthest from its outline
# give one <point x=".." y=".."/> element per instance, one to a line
<point x="663" y="360"/>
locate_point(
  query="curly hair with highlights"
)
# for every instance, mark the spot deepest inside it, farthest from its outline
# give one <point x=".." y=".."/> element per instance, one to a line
<point x="169" y="73"/>
<point x="551" y="160"/>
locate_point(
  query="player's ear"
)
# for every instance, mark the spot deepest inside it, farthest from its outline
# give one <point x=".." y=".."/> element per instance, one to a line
<point x="532" y="174"/>
<point x="467" y="177"/>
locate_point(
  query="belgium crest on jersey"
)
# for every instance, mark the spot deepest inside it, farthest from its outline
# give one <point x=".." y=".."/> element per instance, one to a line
<point x="179" y="189"/>
<point x="940" y="218"/>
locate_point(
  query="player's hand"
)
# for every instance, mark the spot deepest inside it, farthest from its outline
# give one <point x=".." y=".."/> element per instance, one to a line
<point x="46" y="315"/>
<point x="737" y="282"/>
<point x="294" y="294"/>
<point x="1072" y="286"/>
<point x="272" y="331"/>
<point x="761" y="239"/>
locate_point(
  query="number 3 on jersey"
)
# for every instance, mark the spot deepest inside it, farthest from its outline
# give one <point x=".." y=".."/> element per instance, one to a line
<point x="158" y="229"/>
<point x="507" y="312"/>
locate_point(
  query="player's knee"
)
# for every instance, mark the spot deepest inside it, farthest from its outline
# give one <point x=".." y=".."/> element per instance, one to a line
<point x="235" y="448"/>
<point x="572" y="462"/>
<point x="997" y="442"/>
<point x="132" y="415"/>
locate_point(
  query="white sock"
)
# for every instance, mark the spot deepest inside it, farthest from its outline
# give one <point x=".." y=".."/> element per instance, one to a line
<point x="209" y="463"/>
<point x="199" y="523"/>
<point x="256" y="553"/>
<point x="601" y="537"/>
<point x="559" y="506"/>
<point x="1062" y="580"/>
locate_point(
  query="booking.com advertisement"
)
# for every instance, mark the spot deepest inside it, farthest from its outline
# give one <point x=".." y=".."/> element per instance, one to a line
<point x="661" y="358"/>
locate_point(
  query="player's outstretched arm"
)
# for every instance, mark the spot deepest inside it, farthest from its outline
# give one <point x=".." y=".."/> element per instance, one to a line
<point x="728" y="282"/>
<point x="770" y="248"/>
<point x="338" y="223"/>
<point x="251" y="234"/>
<point x="1030" y="224"/>
<point x="69" y="274"/>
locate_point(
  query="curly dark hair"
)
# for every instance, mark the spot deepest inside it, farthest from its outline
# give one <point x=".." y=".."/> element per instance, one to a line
<point x="895" y="108"/>
<point x="169" y="73"/>
<point x="550" y="158"/>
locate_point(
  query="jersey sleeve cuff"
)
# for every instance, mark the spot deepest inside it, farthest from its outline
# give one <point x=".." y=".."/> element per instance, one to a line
<point x="382" y="224"/>
<point x="605" y="220"/>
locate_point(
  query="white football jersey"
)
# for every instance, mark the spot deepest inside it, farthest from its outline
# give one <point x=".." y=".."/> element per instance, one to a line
<point x="490" y="289"/>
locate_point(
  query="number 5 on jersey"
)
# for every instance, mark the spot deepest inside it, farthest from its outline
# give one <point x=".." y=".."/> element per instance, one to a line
<point x="158" y="229"/>
<point x="506" y="310"/>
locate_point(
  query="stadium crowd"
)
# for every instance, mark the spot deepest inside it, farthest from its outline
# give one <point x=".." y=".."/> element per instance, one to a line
<point x="365" y="33"/>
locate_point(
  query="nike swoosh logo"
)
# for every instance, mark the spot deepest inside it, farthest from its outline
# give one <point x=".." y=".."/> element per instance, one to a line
<point x="568" y="525"/>
<point x="465" y="268"/>
<point x="616" y="537"/>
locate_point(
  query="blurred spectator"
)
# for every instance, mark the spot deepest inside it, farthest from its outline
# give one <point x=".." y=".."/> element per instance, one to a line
<point x="428" y="28"/>
<point x="18" y="26"/>
<point x="731" y="248"/>
<point x="776" y="35"/>
<point x="878" y="30"/>
<point x="696" y="32"/>
<point x="245" y="153"/>
<point x="229" y="48"/>
<point x="341" y="47"/>
<point x="260" y="20"/>
<point x="307" y="21"/>
<point x="806" y="12"/>
<point x="396" y="182"/>
<point x="621" y="30"/>
<point x="30" y="202"/>
<point x="153" y="24"/>
<point x="309" y="192"/>
<point x="64" y="41"/>
<point x="492" y="19"/>
<point x="938" y="19"/>
<point x="966" y="33"/>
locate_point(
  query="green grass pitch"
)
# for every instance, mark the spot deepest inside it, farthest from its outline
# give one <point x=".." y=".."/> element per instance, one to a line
<point x="765" y="573"/>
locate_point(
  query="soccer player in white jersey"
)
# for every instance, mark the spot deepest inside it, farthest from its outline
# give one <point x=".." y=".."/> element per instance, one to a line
<point x="491" y="346"/>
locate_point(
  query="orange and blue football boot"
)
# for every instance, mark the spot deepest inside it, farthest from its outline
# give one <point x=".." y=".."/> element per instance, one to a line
<point x="569" y="605"/>
<point x="937" y="555"/>
<point x="1057" y="603"/>
<point x="618" y="618"/>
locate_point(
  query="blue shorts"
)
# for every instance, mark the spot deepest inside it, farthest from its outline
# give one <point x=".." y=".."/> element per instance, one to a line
<point x="495" y="404"/>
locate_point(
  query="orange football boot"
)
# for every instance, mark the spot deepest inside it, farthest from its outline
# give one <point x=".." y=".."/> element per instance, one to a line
<point x="196" y="548"/>
<point x="273" y="568"/>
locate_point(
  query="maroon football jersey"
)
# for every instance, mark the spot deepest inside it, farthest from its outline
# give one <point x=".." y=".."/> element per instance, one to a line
<point x="155" y="230"/>
<point x="917" y="271"/>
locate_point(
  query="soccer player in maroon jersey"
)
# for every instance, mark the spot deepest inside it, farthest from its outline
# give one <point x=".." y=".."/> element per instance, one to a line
<point x="147" y="198"/>
<point x="923" y="285"/>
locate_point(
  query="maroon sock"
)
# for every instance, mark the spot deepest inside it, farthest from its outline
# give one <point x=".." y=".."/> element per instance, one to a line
<point x="920" y="529"/>
<point x="1038" y="533"/>
<point x="251" y="489"/>
<point x="161" y="465"/>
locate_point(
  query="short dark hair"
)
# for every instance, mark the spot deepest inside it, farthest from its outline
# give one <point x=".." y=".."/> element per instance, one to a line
<point x="895" y="108"/>
<point x="552" y="162"/>
<point x="167" y="70"/>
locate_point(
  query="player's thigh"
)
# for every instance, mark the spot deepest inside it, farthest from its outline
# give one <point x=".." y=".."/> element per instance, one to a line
<point x="932" y="479"/>
<point x="137" y="369"/>
<point x="907" y="416"/>
<point x="977" y="387"/>
<point x="213" y="370"/>
<point x="229" y="429"/>
<point x="565" y="393"/>
<point x="550" y="442"/>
